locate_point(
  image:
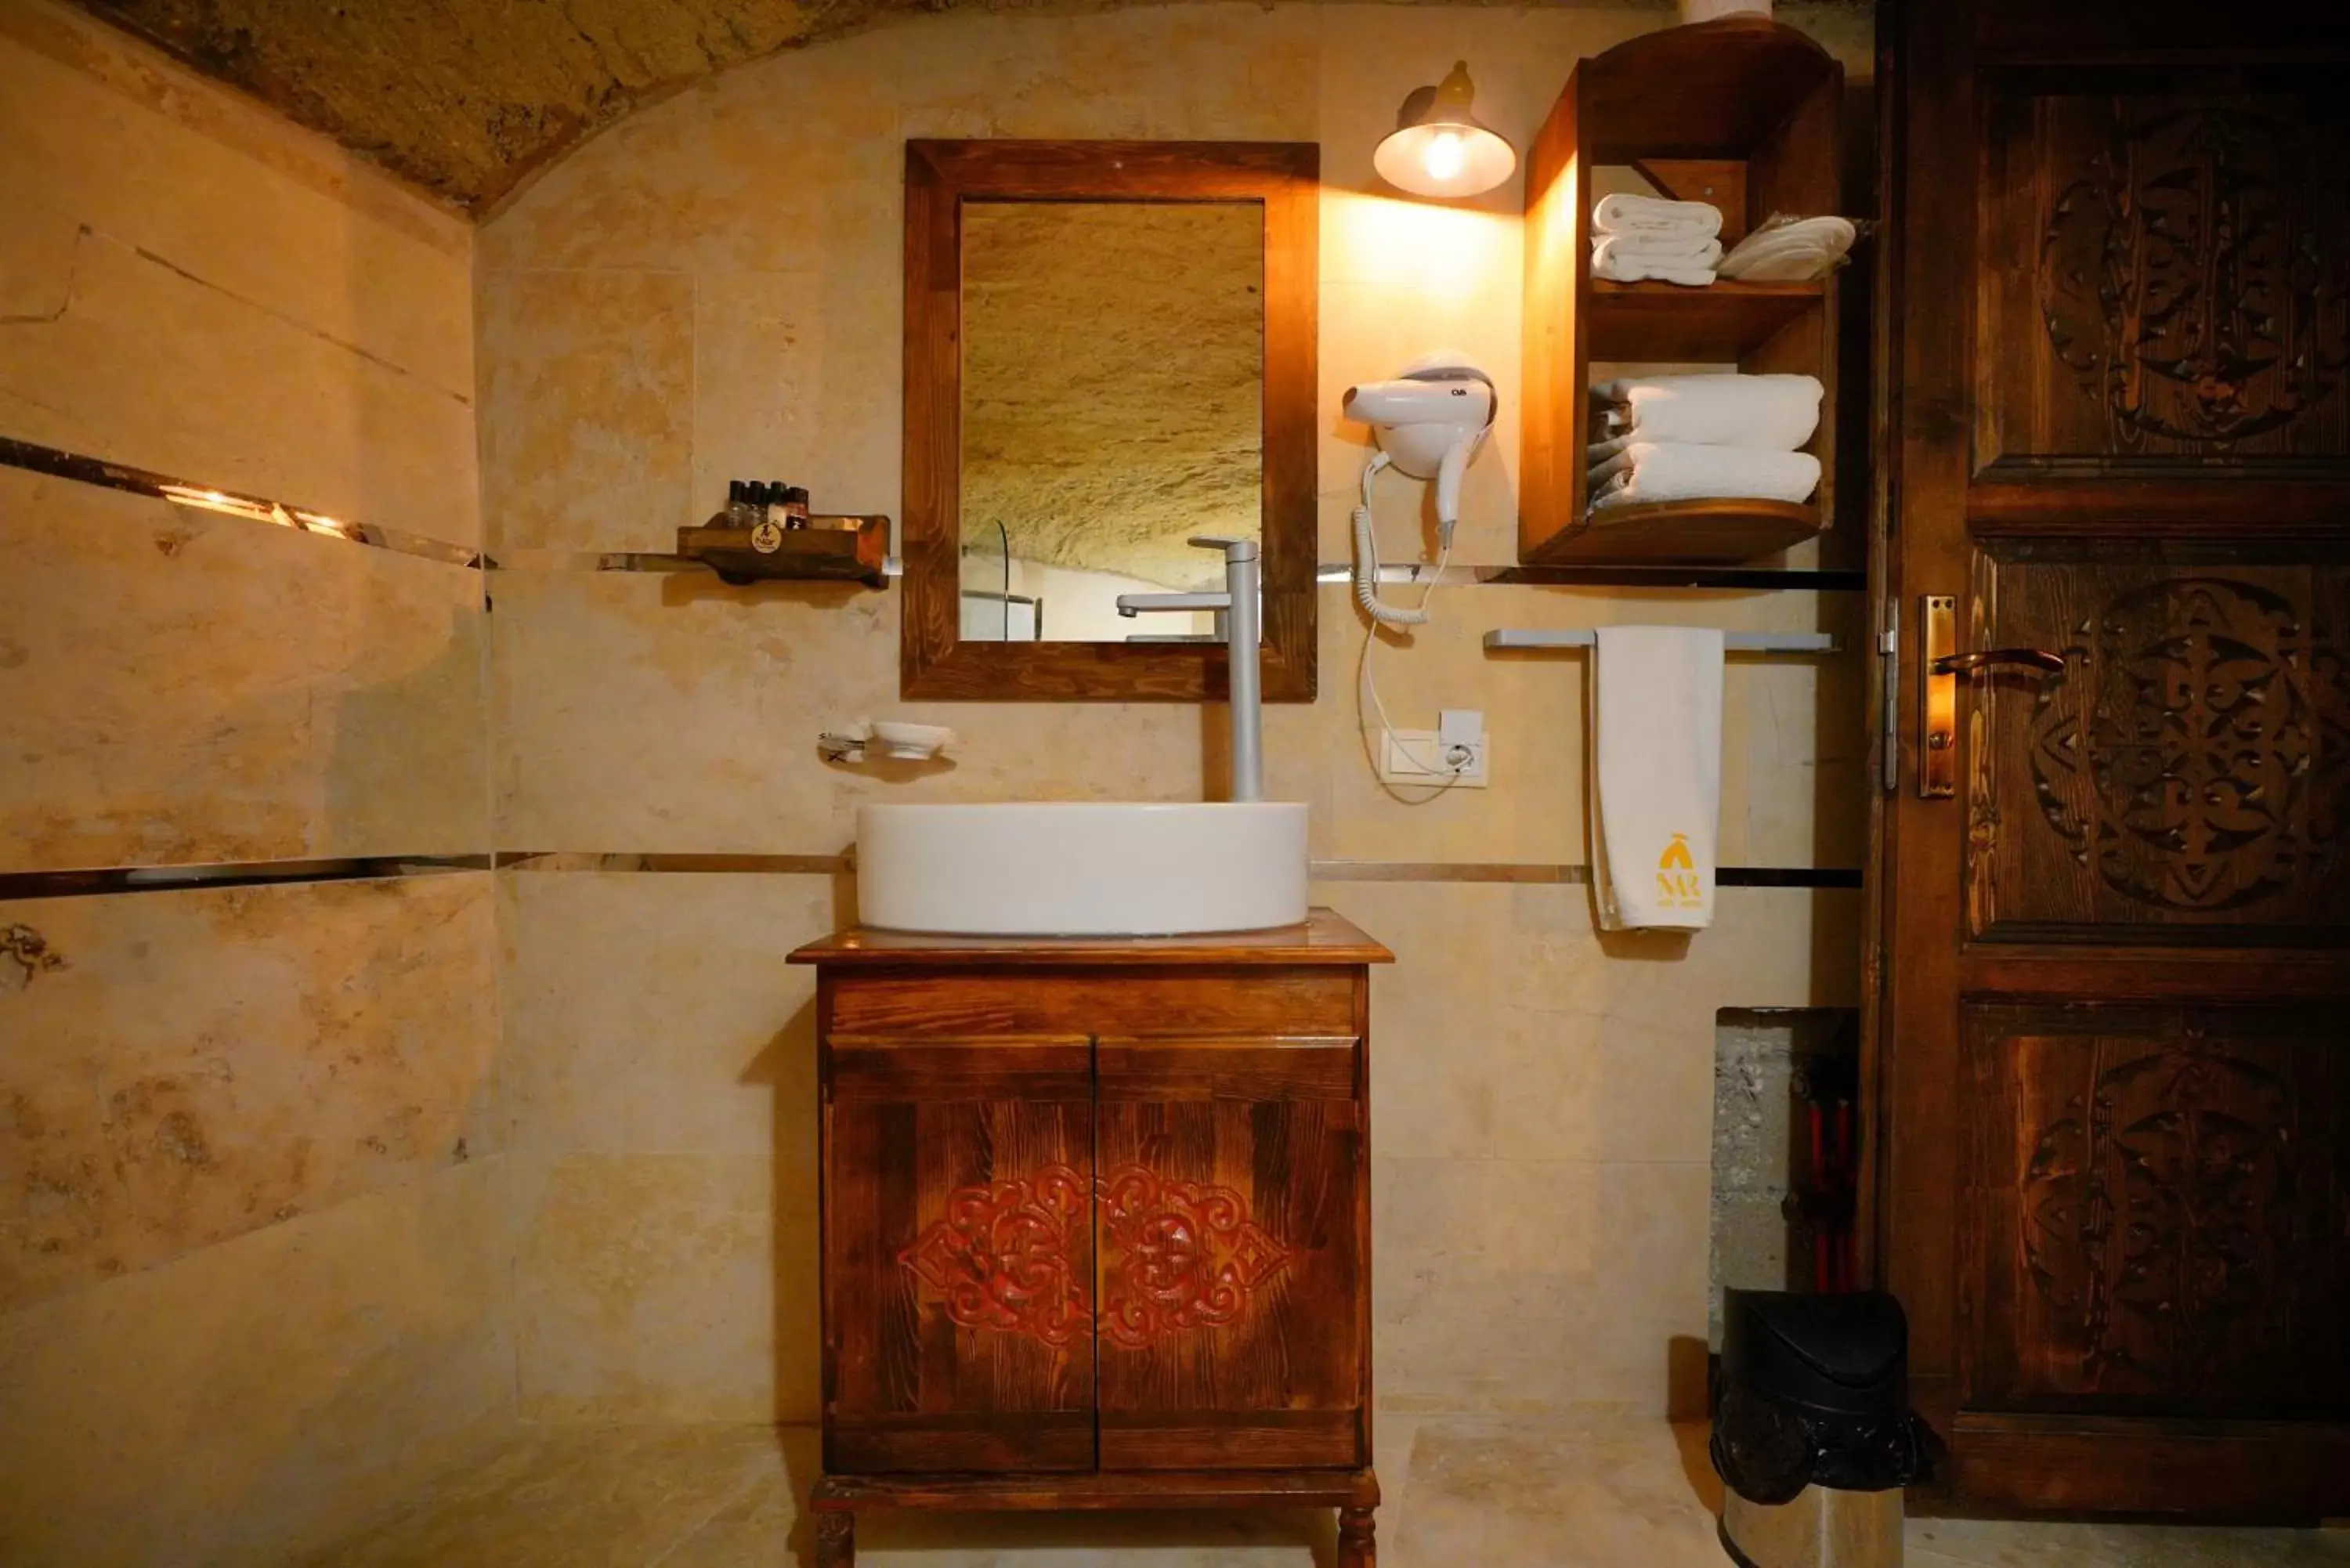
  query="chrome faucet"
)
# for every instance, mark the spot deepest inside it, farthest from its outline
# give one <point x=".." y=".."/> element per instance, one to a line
<point x="1241" y="618"/>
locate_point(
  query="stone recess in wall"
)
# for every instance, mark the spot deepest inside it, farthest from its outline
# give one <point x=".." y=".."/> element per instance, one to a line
<point x="1761" y="1144"/>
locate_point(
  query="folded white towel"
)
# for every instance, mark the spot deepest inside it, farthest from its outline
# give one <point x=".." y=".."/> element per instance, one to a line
<point x="1769" y="413"/>
<point x="1656" y="798"/>
<point x="1632" y="269"/>
<point x="1653" y="214"/>
<point x="1791" y="251"/>
<point x="1700" y="249"/>
<point x="1684" y="471"/>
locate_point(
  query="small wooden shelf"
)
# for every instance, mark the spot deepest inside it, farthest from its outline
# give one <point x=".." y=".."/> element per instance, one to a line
<point x="830" y="549"/>
<point x="1688" y="532"/>
<point x="1661" y="322"/>
<point x="1740" y="113"/>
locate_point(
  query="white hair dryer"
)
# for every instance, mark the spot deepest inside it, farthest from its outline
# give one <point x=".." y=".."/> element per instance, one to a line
<point x="1430" y="422"/>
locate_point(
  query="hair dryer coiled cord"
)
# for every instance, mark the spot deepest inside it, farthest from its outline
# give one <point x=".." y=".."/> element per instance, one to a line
<point x="1367" y="594"/>
<point x="1367" y="560"/>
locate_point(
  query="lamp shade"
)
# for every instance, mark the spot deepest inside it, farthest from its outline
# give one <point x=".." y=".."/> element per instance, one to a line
<point x="1439" y="149"/>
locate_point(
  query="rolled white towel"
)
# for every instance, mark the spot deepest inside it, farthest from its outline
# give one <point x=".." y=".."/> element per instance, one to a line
<point x="1681" y="250"/>
<point x="1681" y="470"/>
<point x="1792" y="252"/>
<point x="1769" y="413"/>
<point x="1655" y="215"/>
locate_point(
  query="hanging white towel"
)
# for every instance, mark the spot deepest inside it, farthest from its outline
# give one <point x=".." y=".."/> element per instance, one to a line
<point x="1769" y="413"/>
<point x="1656" y="797"/>
<point x="1655" y="215"/>
<point x="1681" y="470"/>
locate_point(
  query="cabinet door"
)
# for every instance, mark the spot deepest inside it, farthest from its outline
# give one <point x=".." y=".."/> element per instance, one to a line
<point x="1231" y="1228"/>
<point x="958" y="1255"/>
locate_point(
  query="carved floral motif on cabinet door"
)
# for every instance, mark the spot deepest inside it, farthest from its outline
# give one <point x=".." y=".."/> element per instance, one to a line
<point x="2172" y="283"/>
<point x="1003" y="1256"/>
<point x="2161" y="1206"/>
<point x="2191" y="767"/>
<point x="1178" y="1255"/>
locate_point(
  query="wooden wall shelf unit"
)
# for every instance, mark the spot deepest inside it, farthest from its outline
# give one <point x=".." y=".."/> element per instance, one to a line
<point x="1096" y="1224"/>
<point x="1741" y="112"/>
<point x="830" y="549"/>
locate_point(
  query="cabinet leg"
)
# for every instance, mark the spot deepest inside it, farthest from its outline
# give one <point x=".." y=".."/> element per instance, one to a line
<point x="836" y="1541"/>
<point x="1359" y="1544"/>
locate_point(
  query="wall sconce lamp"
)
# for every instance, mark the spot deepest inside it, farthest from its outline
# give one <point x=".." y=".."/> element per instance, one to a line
<point x="1439" y="149"/>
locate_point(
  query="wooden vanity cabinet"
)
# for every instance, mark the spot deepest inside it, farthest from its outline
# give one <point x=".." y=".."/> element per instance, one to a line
<point x="1096" y="1223"/>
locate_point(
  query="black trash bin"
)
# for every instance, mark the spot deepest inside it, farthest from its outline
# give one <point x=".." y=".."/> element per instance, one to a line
<point x="1813" y="1436"/>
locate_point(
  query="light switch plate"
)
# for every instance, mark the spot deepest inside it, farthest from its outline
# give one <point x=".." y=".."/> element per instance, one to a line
<point x="1405" y="754"/>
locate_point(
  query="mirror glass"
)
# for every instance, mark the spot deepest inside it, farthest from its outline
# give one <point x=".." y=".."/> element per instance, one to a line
<point x="1113" y="364"/>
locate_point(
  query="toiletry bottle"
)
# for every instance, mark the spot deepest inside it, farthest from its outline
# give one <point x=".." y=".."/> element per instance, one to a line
<point x="738" y="504"/>
<point x="795" y="507"/>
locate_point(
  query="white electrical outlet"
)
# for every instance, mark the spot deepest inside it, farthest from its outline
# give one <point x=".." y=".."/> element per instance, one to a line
<point x="1405" y="756"/>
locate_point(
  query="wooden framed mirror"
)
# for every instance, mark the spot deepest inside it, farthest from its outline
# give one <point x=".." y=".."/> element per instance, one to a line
<point x="1109" y="349"/>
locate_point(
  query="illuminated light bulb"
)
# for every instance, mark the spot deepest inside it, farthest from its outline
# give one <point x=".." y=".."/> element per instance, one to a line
<point x="1439" y="148"/>
<point x="1445" y="156"/>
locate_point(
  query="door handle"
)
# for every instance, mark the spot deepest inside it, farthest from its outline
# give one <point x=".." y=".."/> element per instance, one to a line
<point x="1938" y="694"/>
<point x="2034" y="657"/>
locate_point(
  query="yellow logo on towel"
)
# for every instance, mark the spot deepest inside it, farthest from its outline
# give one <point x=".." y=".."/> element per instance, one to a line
<point x="1679" y="887"/>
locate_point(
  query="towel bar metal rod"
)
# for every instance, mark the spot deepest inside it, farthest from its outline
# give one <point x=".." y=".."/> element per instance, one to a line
<point x="1731" y="641"/>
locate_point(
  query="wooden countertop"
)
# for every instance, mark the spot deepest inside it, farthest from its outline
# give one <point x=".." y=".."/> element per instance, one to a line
<point x="1326" y="936"/>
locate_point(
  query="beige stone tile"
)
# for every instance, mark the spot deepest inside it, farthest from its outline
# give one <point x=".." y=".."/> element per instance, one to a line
<point x="1792" y="790"/>
<point x="259" y="1391"/>
<point x="666" y="1287"/>
<point x="1463" y="302"/>
<point x="626" y="1496"/>
<point x="796" y="378"/>
<point x="1535" y="1287"/>
<point x="210" y="1062"/>
<point x="587" y="408"/>
<point x="143" y="364"/>
<point x="1508" y="1029"/>
<point x="791" y="162"/>
<point x="75" y="144"/>
<point x="647" y="713"/>
<point x="1393" y="1434"/>
<point x="1042" y="77"/>
<point x="1556" y="1495"/>
<point x="1237" y="72"/>
<point x="183" y="686"/>
<point x="653" y="1014"/>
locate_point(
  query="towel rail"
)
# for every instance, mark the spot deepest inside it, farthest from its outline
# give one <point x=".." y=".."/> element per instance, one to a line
<point x="1731" y="641"/>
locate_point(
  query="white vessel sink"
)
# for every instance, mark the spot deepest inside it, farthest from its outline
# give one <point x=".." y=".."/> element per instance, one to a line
<point x="1081" y="869"/>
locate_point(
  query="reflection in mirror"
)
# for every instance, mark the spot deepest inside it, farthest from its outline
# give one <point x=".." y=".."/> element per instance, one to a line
<point x="1113" y="364"/>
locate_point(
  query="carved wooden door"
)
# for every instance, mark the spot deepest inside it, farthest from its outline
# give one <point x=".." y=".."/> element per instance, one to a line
<point x="958" y="1255"/>
<point x="2113" y="1024"/>
<point x="1233" y="1251"/>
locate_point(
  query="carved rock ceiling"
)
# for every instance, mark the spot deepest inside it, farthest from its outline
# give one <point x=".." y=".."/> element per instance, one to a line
<point x="464" y="98"/>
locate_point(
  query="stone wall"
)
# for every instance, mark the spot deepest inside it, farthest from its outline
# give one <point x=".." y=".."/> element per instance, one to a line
<point x="252" y="1274"/>
<point x="711" y="289"/>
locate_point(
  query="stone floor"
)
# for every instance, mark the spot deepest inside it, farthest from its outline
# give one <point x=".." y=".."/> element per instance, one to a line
<point x="1460" y="1493"/>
